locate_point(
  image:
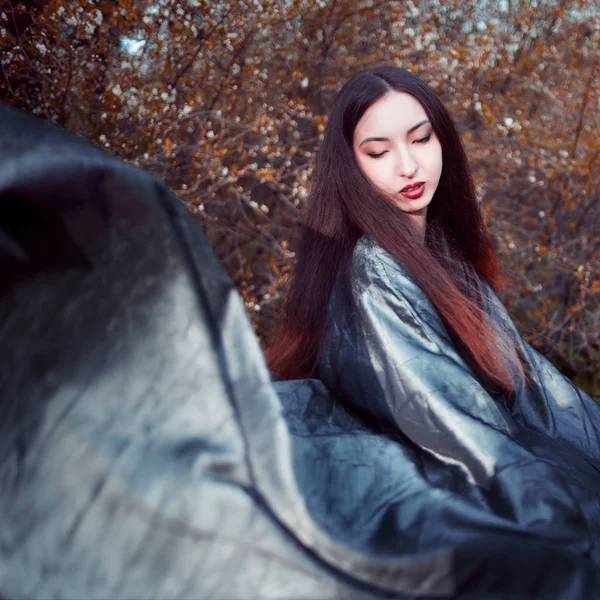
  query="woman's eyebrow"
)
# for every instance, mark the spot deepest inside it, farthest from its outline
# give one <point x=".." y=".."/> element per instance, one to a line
<point x="374" y="139"/>
<point x="384" y="139"/>
<point x="414" y="127"/>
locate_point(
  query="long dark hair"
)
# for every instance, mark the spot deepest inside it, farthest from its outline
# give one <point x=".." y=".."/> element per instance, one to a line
<point x="343" y="205"/>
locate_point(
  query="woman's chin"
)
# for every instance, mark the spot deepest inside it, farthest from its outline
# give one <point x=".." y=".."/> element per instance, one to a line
<point x="413" y="206"/>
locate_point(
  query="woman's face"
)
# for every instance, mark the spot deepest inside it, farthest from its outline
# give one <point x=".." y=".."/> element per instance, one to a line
<point x="399" y="153"/>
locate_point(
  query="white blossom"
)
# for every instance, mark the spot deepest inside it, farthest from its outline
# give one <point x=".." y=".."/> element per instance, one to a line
<point x="413" y="10"/>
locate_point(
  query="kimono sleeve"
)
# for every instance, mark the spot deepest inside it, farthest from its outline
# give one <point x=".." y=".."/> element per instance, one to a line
<point x="551" y="404"/>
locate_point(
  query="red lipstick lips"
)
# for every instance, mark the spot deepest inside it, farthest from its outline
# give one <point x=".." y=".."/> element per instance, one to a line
<point x="413" y="191"/>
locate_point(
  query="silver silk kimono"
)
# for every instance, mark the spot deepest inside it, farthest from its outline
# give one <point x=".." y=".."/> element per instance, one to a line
<point x="455" y="463"/>
<point x="146" y="453"/>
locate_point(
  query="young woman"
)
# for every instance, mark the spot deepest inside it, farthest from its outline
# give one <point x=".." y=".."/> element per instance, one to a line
<point x="392" y="168"/>
<point x="393" y="308"/>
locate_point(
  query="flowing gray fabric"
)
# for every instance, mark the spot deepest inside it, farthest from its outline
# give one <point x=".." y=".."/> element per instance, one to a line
<point x="463" y="463"/>
<point x="145" y="453"/>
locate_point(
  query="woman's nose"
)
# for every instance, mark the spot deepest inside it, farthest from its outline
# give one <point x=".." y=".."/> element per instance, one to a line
<point x="406" y="165"/>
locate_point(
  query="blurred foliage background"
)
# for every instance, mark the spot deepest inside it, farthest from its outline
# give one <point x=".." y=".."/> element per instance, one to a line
<point x="226" y="100"/>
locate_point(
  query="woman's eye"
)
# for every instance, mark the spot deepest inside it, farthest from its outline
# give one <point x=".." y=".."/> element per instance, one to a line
<point x="376" y="155"/>
<point x="424" y="139"/>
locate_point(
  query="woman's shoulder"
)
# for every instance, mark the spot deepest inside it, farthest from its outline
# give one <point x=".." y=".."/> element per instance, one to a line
<point x="379" y="277"/>
<point x="368" y="254"/>
<point x="373" y="265"/>
<point x="368" y="250"/>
